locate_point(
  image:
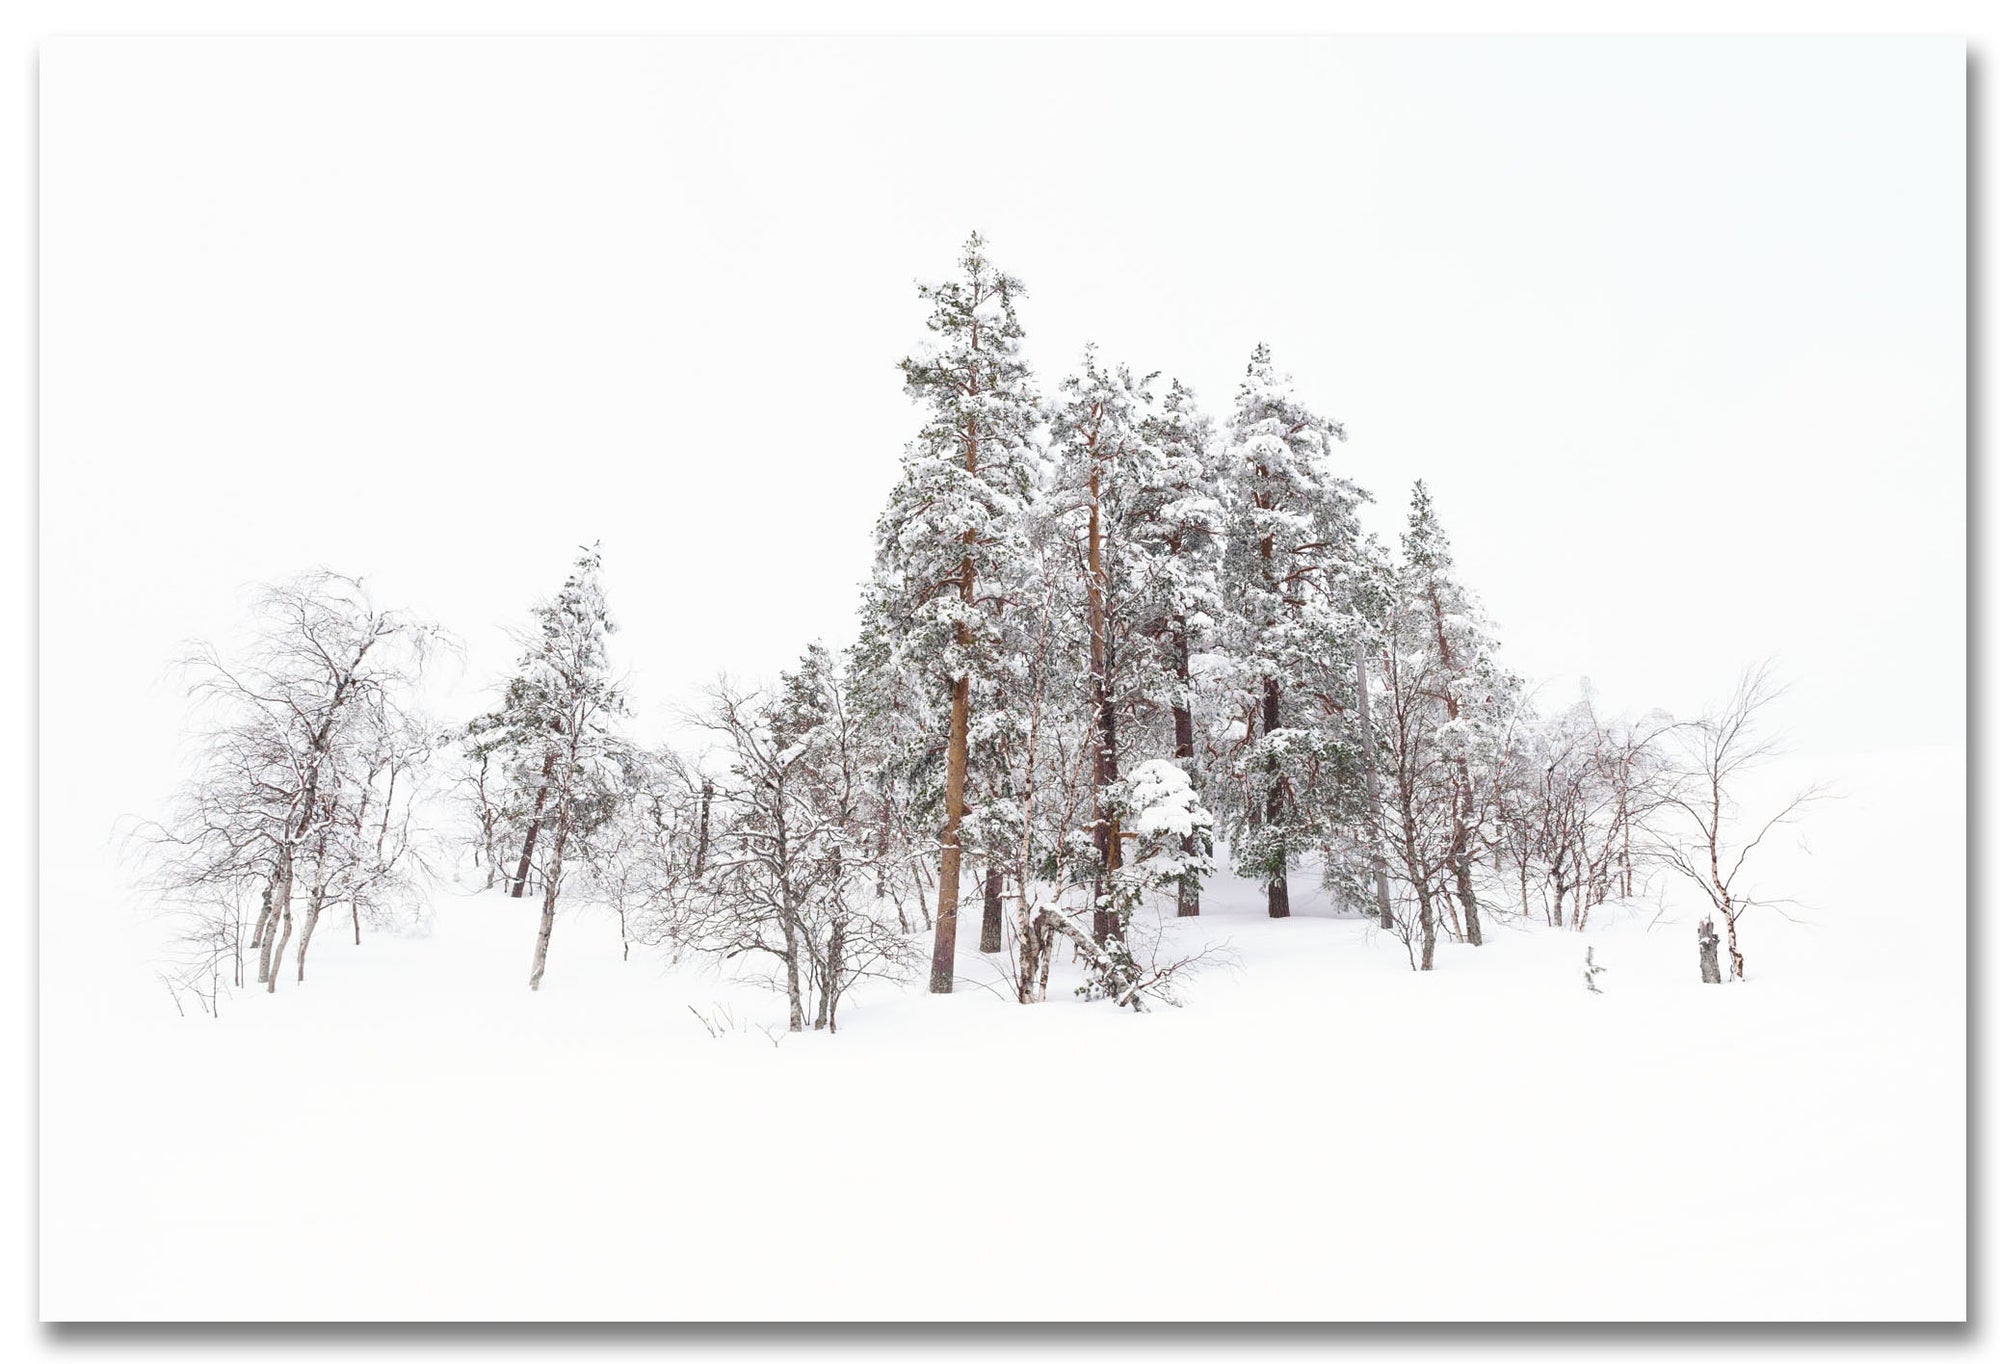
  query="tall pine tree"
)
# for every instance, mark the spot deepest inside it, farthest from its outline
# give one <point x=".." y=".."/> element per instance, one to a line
<point x="1178" y="536"/>
<point x="1284" y="506"/>
<point x="949" y="538"/>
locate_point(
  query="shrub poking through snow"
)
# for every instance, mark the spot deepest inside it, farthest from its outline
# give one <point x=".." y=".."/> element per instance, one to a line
<point x="1591" y="971"/>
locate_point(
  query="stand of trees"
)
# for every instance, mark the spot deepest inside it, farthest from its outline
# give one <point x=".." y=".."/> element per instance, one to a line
<point x="1104" y="635"/>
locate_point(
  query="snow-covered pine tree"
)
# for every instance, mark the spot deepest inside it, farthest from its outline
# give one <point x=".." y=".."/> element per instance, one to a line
<point x="1100" y="453"/>
<point x="1282" y="597"/>
<point x="1176" y="573"/>
<point x="1041" y="788"/>
<point x="557" y="723"/>
<point x="1447" y="731"/>
<point x="946" y="541"/>
<point x="1134" y="483"/>
<point x="1436" y="614"/>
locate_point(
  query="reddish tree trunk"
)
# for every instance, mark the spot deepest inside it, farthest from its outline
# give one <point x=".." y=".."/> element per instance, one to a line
<point x="944" y="940"/>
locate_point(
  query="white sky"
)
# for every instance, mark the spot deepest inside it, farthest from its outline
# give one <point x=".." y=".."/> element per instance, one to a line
<point x="1673" y="327"/>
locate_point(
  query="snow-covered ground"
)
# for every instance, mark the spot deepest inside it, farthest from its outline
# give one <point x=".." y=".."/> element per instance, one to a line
<point x="1318" y="1133"/>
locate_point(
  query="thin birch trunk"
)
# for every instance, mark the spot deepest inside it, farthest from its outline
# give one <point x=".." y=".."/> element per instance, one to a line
<point x="836" y="966"/>
<point x="279" y="907"/>
<point x="1419" y="880"/>
<point x="263" y="918"/>
<point x="276" y="960"/>
<point x="1461" y="870"/>
<point x="313" y="907"/>
<point x="552" y="885"/>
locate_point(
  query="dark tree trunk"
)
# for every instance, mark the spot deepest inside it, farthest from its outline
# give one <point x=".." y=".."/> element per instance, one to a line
<point x="882" y="860"/>
<point x="825" y="1004"/>
<point x="1417" y="873"/>
<point x="1104" y="765"/>
<point x="488" y="824"/>
<point x="1278" y="894"/>
<point x="1468" y="899"/>
<point x="701" y="842"/>
<point x="989" y="919"/>
<point x="552" y="885"/>
<point x="1188" y="901"/>
<point x="263" y="919"/>
<point x="836" y="966"/>
<point x="1427" y="925"/>
<point x="534" y="827"/>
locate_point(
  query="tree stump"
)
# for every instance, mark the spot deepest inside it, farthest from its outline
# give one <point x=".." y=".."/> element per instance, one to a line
<point x="1711" y="966"/>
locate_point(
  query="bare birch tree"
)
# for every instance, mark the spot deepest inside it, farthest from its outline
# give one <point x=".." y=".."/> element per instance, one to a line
<point x="789" y="876"/>
<point x="1712" y="834"/>
<point x="310" y="727"/>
